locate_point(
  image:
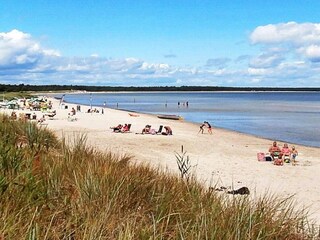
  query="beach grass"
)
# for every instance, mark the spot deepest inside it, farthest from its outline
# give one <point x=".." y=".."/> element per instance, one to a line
<point x="51" y="189"/>
<point x="12" y="95"/>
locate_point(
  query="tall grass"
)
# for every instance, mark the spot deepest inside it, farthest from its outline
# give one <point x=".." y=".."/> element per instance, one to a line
<point x="52" y="189"/>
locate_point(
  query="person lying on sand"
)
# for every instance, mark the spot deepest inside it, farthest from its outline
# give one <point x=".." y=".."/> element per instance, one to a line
<point x="146" y="129"/>
<point x="117" y="128"/>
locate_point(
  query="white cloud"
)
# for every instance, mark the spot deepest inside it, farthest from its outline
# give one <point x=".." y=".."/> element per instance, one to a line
<point x="282" y="61"/>
<point x="313" y="53"/>
<point x="18" y="49"/>
<point x="301" y="39"/>
<point x="291" y="32"/>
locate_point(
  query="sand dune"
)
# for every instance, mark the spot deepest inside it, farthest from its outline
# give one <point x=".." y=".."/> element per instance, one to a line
<point x="225" y="158"/>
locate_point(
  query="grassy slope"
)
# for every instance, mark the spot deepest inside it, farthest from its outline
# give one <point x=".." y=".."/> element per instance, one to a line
<point x="53" y="190"/>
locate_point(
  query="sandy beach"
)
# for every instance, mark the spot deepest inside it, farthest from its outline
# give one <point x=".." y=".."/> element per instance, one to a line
<point x="225" y="158"/>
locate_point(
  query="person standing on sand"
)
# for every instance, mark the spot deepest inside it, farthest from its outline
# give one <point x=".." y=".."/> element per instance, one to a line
<point x="201" y="128"/>
<point x="208" y="126"/>
<point x="294" y="154"/>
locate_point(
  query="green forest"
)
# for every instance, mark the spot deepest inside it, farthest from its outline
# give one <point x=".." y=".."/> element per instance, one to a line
<point x="46" y="88"/>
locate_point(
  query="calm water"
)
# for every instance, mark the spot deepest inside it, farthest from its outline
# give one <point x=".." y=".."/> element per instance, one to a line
<point x="288" y="116"/>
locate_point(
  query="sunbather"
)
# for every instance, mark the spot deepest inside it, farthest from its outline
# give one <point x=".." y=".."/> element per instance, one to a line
<point x="168" y="130"/>
<point x="285" y="153"/>
<point x="146" y="129"/>
<point x="73" y="112"/>
<point x="126" y="128"/>
<point x="117" y="128"/>
<point x="274" y="150"/>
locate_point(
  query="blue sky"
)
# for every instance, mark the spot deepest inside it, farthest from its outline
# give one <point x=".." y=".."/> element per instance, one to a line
<point x="154" y="43"/>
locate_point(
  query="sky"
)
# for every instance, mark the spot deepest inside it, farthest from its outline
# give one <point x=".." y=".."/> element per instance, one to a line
<point x="234" y="43"/>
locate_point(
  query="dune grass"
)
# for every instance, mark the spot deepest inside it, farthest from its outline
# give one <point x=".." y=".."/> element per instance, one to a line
<point x="13" y="95"/>
<point x="52" y="189"/>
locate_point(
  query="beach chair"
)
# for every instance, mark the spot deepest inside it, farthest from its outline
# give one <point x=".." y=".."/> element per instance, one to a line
<point x="128" y="129"/>
<point x="51" y="115"/>
<point x="276" y="155"/>
<point x="286" y="158"/>
<point x="159" y="130"/>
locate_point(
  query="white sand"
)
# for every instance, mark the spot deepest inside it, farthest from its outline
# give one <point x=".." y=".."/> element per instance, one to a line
<point x="225" y="158"/>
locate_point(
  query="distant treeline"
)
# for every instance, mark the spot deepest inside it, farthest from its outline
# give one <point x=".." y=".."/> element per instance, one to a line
<point x="47" y="88"/>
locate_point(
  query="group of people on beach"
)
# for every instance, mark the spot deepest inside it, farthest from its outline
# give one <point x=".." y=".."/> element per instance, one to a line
<point x="148" y="130"/>
<point x="121" y="128"/>
<point x="207" y="125"/>
<point x="284" y="154"/>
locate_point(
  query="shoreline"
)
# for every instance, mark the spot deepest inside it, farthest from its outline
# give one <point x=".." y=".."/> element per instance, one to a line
<point x="225" y="158"/>
<point x="196" y="123"/>
<point x="300" y="135"/>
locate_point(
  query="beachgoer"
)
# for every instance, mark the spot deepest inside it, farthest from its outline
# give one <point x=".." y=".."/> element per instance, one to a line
<point x="274" y="150"/>
<point x="125" y="128"/>
<point x="208" y="126"/>
<point x="73" y="112"/>
<point x="294" y="154"/>
<point x="168" y="130"/>
<point x="285" y="153"/>
<point x="146" y="129"/>
<point x="201" y="128"/>
<point x="117" y="128"/>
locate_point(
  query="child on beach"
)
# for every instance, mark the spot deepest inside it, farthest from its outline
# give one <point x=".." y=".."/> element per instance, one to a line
<point x="294" y="154"/>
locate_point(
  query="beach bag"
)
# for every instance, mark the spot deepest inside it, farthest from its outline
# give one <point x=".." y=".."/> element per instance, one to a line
<point x="268" y="158"/>
<point x="261" y="156"/>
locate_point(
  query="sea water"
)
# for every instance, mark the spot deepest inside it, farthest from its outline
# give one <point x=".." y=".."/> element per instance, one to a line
<point x="286" y="116"/>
